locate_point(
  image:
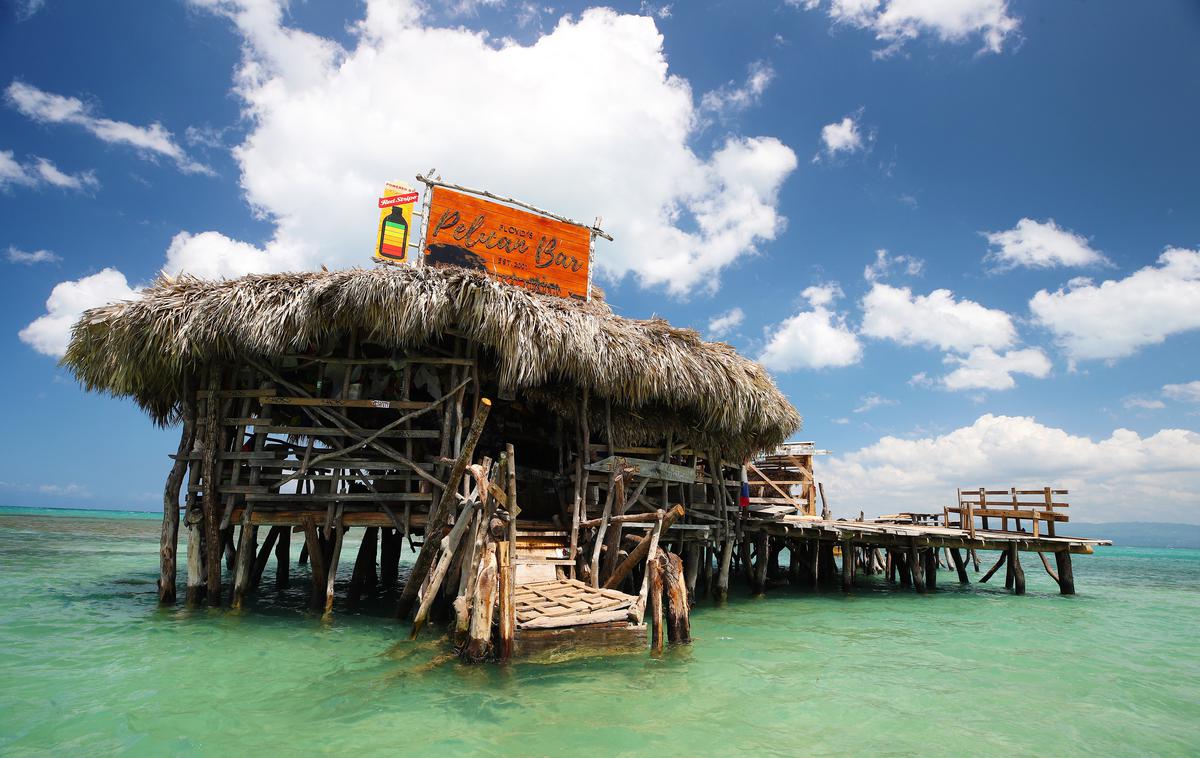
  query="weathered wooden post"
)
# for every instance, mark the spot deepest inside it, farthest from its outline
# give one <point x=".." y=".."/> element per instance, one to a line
<point x="916" y="567"/>
<point x="283" y="549"/>
<point x="1018" y="573"/>
<point x="847" y="566"/>
<point x="212" y="534"/>
<point x="1066" y="577"/>
<point x="960" y="565"/>
<point x="169" y="541"/>
<point x="762" y="558"/>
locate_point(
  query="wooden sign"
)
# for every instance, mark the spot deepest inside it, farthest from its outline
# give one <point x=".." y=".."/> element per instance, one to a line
<point x="649" y="469"/>
<point x="522" y="248"/>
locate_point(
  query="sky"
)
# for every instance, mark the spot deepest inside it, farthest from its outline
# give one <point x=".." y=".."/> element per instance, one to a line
<point x="963" y="237"/>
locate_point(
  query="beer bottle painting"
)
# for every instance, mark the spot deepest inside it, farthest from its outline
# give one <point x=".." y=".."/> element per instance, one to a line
<point x="393" y="235"/>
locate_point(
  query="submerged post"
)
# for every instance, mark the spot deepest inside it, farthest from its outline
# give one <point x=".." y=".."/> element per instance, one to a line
<point x="1066" y="577"/>
<point x="169" y="542"/>
<point x="960" y="565"/>
<point x="1018" y="573"/>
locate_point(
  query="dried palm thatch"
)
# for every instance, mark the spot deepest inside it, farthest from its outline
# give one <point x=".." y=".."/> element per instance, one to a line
<point x="658" y="378"/>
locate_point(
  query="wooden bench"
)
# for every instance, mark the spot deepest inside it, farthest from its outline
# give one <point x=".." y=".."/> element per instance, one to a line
<point x="1035" y="506"/>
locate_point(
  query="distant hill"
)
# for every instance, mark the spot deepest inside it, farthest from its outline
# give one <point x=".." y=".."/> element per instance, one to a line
<point x="1139" y="533"/>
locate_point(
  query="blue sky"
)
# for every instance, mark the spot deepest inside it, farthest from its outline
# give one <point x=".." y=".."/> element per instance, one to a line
<point x="752" y="160"/>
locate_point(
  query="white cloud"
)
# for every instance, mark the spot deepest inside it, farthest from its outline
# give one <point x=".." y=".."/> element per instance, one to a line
<point x="818" y="338"/>
<point x="843" y="136"/>
<point x="212" y="255"/>
<point x="50" y="333"/>
<point x="722" y="325"/>
<point x="871" y="401"/>
<point x="1144" y="403"/>
<point x="1116" y="318"/>
<point x="587" y="120"/>
<point x="884" y="263"/>
<point x="29" y="258"/>
<point x="1160" y="472"/>
<point x="933" y="320"/>
<point x="985" y="369"/>
<point x="841" y="421"/>
<point x="1188" y="393"/>
<point x="732" y="98"/>
<point x="65" y="490"/>
<point x="41" y="172"/>
<point x="658" y="11"/>
<point x="49" y="108"/>
<point x="894" y="22"/>
<point x="1035" y="244"/>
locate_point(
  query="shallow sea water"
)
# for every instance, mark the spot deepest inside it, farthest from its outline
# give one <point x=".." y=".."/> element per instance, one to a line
<point x="90" y="665"/>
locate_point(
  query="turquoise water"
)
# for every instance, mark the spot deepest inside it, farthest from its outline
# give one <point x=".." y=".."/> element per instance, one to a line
<point x="90" y="665"/>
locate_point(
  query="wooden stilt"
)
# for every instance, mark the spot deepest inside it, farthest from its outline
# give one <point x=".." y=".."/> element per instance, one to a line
<point x="890" y="569"/>
<point x="656" y="604"/>
<point x="244" y="561"/>
<point x="169" y="540"/>
<point x="931" y="567"/>
<point x="675" y="604"/>
<point x="264" y="555"/>
<point x="331" y="572"/>
<point x="900" y="561"/>
<point x="722" y="585"/>
<point x="316" y="556"/>
<point x="762" y="557"/>
<point x="916" y="567"/>
<point x="364" y="563"/>
<point x="1066" y="576"/>
<point x="847" y="566"/>
<point x="691" y="567"/>
<point x="303" y="559"/>
<point x="283" y="549"/>
<point x="506" y="590"/>
<point x="1014" y="560"/>
<point x="195" y="566"/>
<point x="960" y="565"/>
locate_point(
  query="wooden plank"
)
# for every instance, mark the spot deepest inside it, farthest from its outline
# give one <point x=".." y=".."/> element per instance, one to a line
<point x="368" y="497"/>
<point x="326" y="402"/>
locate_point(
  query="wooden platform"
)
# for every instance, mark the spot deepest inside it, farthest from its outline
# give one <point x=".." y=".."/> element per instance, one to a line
<point x="568" y="602"/>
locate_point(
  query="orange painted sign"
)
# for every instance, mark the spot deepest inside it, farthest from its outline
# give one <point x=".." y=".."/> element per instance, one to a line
<point x="522" y="248"/>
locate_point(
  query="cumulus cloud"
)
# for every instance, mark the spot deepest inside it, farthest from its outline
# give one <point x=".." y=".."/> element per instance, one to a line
<point x="28" y="258"/>
<point x="884" y="265"/>
<point x="985" y="369"/>
<point x="895" y="22"/>
<point x="41" y="172"/>
<point x="935" y="320"/>
<point x="1035" y="244"/>
<point x="732" y="97"/>
<point x="50" y="333"/>
<point x="841" y="137"/>
<point x="1161" y="472"/>
<point x="722" y="325"/>
<point x="817" y="338"/>
<point x="1188" y="393"/>
<point x="587" y="120"/>
<point x="48" y="108"/>
<point x="1118" y="317"/>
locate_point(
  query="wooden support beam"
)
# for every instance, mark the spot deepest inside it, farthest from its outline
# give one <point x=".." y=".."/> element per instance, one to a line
<point x="316" y="559"/>
<point x="264" y="555"/>
<point x="449" y="545"/>
<point x="654" y="569"/>
<point x="1066" y="576"/>
<point x="1049" y="571"/>
<point x="245" y="560"/>
<point x="960" y="565"/>
<point x="1000" y="562"/>
<point x="283" y="549"/>
<point x="441" y="513"/>
<point x="1014" y="560"/>
<point x="169" y="541"/>
<point x="847" y="566"/>
<point x="762" y="553"/>
<point x="916" y="567"/>
<point x="507" y="600"/>
<point x="331" y="572"/>
<point x="675" y="605"/>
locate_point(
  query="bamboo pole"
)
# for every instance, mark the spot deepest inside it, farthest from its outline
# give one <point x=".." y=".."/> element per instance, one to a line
<point x="439" y="515"/>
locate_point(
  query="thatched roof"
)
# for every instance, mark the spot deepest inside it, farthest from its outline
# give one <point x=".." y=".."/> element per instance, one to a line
<point x="658" y="377"/>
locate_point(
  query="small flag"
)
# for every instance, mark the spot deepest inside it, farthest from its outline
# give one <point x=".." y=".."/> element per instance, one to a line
<point x="744" y="500"/>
